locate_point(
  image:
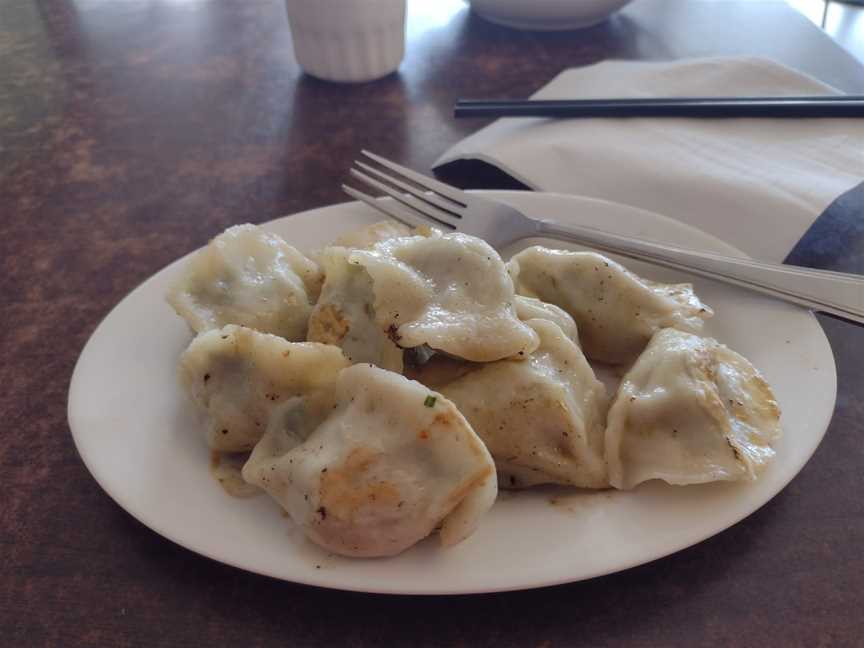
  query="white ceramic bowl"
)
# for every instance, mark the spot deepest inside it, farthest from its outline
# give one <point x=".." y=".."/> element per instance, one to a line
<point x="547" y="15"/>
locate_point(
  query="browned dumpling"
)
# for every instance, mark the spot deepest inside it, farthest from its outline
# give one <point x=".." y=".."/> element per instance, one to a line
<point x="541" y="417"/>
<point x="690" y="411"/>
<point x="390" y="464"/>
<point x="345" y="314"/>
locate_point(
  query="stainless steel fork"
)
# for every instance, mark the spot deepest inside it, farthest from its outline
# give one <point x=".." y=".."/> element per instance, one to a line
<point x="421" y="200"/>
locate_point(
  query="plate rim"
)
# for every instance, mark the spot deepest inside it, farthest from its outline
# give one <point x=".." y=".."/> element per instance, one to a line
<point x="322" y="576"/>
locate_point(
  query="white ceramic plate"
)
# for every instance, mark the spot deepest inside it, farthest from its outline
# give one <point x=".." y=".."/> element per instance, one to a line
<point x="141" y="441"/>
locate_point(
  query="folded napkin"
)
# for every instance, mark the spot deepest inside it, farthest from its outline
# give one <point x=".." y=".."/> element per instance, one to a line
<point x="756" y="183"/>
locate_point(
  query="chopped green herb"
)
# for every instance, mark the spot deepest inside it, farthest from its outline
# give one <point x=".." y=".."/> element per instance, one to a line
<point x="430" y="401"/>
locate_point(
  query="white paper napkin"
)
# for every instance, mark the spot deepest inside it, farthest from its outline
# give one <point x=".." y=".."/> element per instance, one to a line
<point x="756" y="183"/>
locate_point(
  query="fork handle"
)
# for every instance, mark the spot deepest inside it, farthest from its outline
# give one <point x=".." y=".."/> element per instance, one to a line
<point x="839" y="294"/>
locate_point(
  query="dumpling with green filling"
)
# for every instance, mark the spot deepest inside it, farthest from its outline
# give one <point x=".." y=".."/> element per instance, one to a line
<point x="249" y="277"/>
<point x="238" y="378"/>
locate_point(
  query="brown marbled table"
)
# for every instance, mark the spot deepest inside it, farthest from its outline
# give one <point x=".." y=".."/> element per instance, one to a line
<point x="131" y="131"/>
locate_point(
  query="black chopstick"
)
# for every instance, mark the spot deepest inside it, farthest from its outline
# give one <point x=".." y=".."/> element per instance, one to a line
<point x="714" y="107"/>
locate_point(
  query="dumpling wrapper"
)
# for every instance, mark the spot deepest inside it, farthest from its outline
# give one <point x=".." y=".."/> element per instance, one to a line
<point x="616" y="311"/>
<point x="237" y="377"/>
<point x="440" y="370"/>
<point x="541" y="418"/>
<point x="249" y="277"/>
<point x="450" y="291"/>
<point x="389" y="465"/>
<point x="437" y="369"/>
<point x="690" y="411"/>
<point x="345" y="314"/>
<point x="366" y="237"/>
<point x="528" y="308"/>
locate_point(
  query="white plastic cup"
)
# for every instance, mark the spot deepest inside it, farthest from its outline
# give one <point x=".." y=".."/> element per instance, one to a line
<point x="348" y="40"/>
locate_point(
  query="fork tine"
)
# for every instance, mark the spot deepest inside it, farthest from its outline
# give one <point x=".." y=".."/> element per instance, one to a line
<point x="402" y="215"/>
<point x="457" y="196"/>
<point x="444" y="204"/>
<point x="427" y="211"/>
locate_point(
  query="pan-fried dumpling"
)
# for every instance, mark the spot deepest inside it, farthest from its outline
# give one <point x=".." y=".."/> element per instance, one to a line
<point x="689" y="411"/>
<point x="366" y="237"/>
<point x="389" y="465"/>
<point x="238" y="377"/>
<point x="345" y="314"/>
<point x="437" y="369"/>
<point x="528" y="308"/>
<point x="616" y="311"/>
<point x="450" y="291"/>
<point x="542" y="418"/>
<point x="250" y="277"/>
